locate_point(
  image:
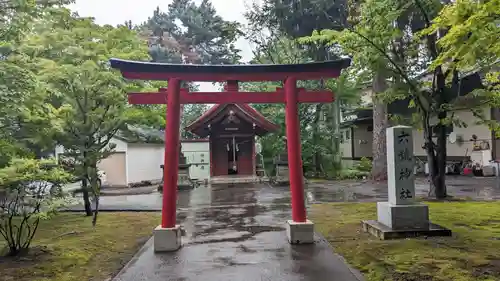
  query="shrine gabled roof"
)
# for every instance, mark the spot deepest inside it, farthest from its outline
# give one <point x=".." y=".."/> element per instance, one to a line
<point x="246" y="109"/>
<point x="240" y="72"/>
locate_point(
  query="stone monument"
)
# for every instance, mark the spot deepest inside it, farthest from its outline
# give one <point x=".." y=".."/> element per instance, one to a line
<point x="401" y="216"/>
<point x="183" y="180"/>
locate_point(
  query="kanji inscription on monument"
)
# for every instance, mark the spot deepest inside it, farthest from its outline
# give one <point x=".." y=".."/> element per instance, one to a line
<point x="400" y="165"/>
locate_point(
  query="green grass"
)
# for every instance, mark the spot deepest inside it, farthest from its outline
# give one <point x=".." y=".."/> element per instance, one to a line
<point x="472" y="253"/>
<point x="69" y="248"/>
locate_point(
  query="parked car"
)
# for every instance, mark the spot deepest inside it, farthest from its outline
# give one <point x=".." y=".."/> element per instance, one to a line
<point x="44" y="188"/>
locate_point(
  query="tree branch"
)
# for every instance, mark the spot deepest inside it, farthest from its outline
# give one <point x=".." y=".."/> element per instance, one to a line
<point x="393" y="63"/>
<point x="101" y="121"/>
<point x="28" y="241"/>
<point x="76" y="96"/>
<point x="398" y="69"/>
<point x="110" y="135"/>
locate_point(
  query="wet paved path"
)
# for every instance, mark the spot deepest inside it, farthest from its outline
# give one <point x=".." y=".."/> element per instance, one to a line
<point x="235" y="233"/>
<point x="320" y="192"/>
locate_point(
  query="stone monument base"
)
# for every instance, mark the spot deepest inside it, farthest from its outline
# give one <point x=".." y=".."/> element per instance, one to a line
<point x="185" y="184"/>
<point x="282" y="174"/>
<point x="385" y="233"/>
<point x="402" y="221"/>
<point x="183" y="180"/>
<point x="281" y="181"/>
<point x="300" y="232"/>
<point x="167" y="239"/>
<point x="411" y="216"/>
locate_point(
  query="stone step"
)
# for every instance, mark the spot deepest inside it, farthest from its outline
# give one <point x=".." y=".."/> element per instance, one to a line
<point x="233" y="180"/>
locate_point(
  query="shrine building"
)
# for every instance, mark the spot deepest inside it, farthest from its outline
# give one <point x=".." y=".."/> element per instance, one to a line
<point x="230" y="132"/>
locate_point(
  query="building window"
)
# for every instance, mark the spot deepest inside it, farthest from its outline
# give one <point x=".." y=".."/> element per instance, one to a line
<point x="370" y="128"/>
<point x="347" y="134"/>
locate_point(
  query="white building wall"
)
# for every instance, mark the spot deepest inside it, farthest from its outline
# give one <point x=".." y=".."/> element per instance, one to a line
<point x="362" y="141"/>
<point x="121" y="146"/>
<point x="143" y="162"/>
<point x="115" y="167"/>
<point x="197" y="154"/>
<point x="482" y="132"/>
<point x="458" y="149"/>
<point x="115" y="161"/>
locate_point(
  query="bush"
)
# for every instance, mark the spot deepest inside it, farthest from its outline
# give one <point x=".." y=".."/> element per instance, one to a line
<point x="365" y="165"/>
<point x="352" y="174"/>
<point x="30" y="190"/>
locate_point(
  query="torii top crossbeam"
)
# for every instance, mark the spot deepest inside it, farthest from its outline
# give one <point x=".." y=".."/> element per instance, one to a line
<point x="231" y="74"/>
<point x="222" y="73"/>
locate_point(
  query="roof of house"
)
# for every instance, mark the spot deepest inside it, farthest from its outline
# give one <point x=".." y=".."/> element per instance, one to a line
<point x="467" y="84"/>
<point x="256" y="117"/>
<point x="135" y="134"/>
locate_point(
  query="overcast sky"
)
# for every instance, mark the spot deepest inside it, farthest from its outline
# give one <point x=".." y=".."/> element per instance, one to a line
<point x="118" y="11"/>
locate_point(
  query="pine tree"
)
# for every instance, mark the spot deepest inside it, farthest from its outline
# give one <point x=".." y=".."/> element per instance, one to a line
<point x="202" y="36"/>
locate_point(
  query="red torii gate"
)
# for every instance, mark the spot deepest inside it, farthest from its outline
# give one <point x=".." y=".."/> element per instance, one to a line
<point x="174" y="96"/>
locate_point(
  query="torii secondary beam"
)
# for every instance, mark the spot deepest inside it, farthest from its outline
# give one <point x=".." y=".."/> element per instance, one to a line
<point x="303" y="96"/>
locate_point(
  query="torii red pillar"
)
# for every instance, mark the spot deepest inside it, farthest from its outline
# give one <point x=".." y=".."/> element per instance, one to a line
<point x="171" y="160"/>
<point x="294" y="150"/>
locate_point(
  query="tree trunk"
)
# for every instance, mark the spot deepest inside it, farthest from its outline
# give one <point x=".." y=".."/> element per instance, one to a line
<point x="85" y="187"/>
<point x="337" y="157"/>
<point x="440" y="178"/>
<point x="96" y="192"/>
<point x="13" y="251"/>
<point x="86" y="198"/>
<point x="436" y="159"/>
<point x="380" y="124"/>
<point x="316" y="137"/>
<point x="440" y="91"/>
<point x="96" y="212"/>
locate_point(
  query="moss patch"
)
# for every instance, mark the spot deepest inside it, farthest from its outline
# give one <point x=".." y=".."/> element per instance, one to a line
<point x="473" y="253"/>
<point x="69" y="248"/>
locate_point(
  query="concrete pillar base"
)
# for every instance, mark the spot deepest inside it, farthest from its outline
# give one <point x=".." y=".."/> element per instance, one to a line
<point x="167" y="239"/>
<point x="300" y="232"/>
